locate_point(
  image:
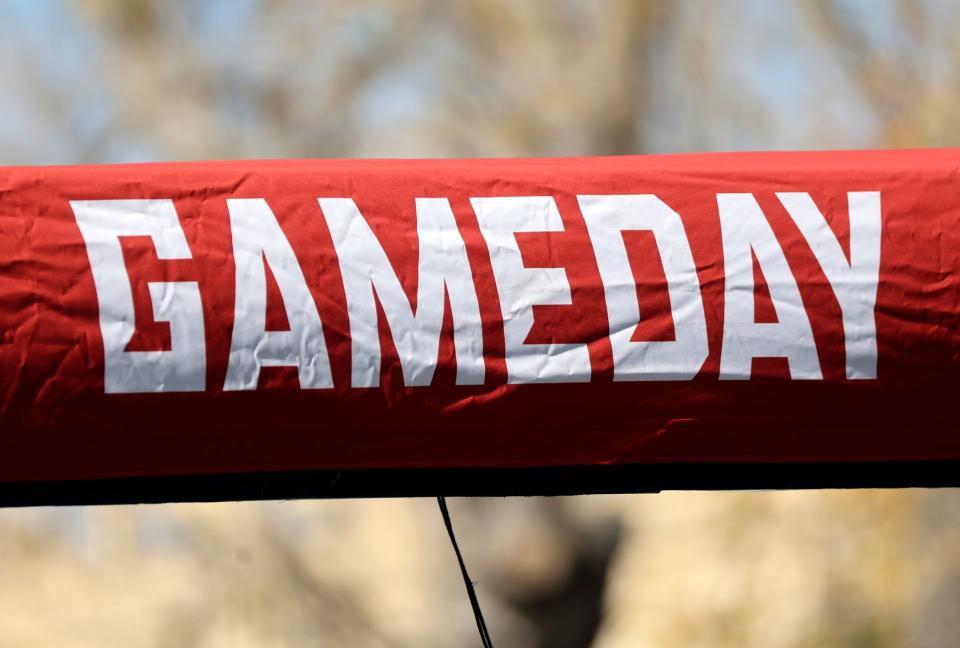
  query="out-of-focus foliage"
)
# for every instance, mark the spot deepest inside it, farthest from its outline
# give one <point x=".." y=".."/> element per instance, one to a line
<point x="129" y="80"/>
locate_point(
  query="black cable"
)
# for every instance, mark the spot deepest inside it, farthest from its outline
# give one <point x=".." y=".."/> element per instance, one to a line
<point x="471" y="592"/>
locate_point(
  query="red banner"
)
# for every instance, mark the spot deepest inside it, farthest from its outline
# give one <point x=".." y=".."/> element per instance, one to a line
<point x="202" y="318"/>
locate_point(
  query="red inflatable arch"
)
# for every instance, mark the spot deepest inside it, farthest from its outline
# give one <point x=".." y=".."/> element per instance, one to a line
<point x="233" y="330"/>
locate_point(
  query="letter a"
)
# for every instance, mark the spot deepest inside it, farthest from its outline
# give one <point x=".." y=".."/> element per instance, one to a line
<point x="744" y="228"/>
<point x="258" y="239"/>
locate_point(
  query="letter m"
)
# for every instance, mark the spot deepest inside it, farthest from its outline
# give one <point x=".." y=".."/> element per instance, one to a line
<point x="443" y="270"/>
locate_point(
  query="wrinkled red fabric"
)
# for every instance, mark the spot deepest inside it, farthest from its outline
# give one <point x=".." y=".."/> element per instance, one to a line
<point x="56" y="421"/>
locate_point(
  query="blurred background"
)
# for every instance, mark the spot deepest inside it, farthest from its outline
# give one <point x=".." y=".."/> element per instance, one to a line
<point x="139" y="80"/>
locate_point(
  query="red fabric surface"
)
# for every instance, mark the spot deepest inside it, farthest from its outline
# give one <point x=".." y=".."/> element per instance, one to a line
<point x="57" y="422"/>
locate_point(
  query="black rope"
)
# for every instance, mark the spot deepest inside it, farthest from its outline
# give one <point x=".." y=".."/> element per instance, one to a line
<point x="471" y="592"/>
